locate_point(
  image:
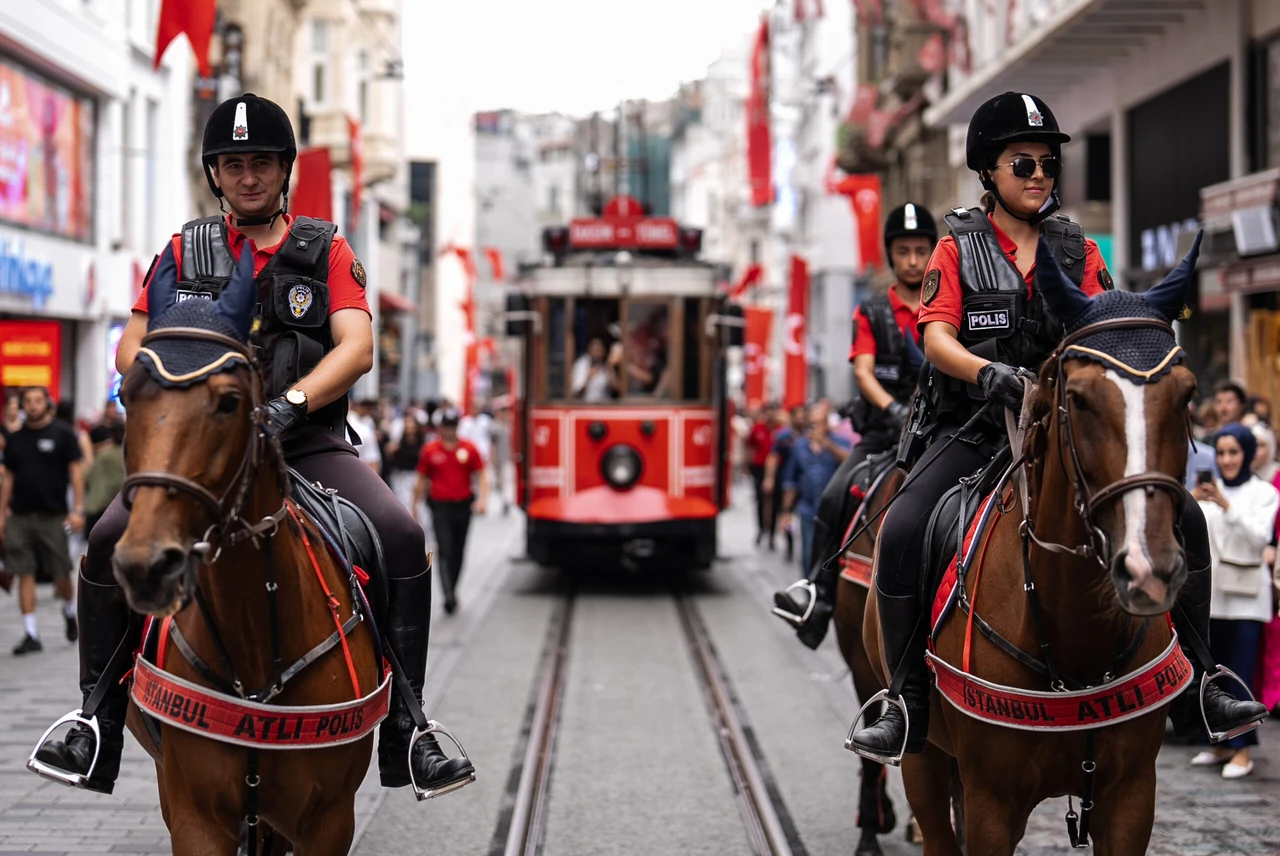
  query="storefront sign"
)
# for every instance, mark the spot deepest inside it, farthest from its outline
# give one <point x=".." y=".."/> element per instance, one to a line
<point x="1252" y="278"/>
<point x="31" y="354"/>
<point x="1219" y="201"/>
<point x="28" y="278"/>
<point x="46" y="154"/>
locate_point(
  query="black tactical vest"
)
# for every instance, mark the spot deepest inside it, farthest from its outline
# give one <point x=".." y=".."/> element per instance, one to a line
<point x="892" y="368"/>
<point x="291" y="333"/>
<point x="997" y="320"/>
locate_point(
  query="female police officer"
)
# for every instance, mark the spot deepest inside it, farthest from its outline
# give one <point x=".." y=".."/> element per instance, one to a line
<point x="981" y="322"/>
<point x="311" y="356"/>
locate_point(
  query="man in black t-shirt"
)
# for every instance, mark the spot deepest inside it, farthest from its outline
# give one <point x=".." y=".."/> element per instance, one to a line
<point x="41" y="459"/>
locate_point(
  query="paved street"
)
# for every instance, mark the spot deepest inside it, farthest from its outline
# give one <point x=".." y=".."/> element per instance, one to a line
<point x="637" y="768"/>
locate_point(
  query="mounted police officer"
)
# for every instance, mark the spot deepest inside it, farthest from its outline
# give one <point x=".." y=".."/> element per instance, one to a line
<point x="982" y="325"/>
<point x="886" y="381"/>
<point x="315" y="340"/>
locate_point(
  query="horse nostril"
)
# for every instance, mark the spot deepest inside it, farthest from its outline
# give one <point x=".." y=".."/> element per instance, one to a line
<point x="169" y="562"/>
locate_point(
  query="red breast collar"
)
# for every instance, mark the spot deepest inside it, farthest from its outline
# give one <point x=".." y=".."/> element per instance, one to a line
<point x="200" y="710"/>
<point x="1137" y="693"/>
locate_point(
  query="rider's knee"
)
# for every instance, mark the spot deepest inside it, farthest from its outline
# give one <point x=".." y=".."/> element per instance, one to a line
<point x="1195" y="535"/>
<point x="101" y="544"/>
<point x="402" y="537"/>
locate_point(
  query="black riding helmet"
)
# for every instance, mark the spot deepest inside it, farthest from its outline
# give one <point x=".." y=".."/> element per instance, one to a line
<point x="1007" y="118"/>
<point x="245" y="125"/>
<point x="909" y="221"/>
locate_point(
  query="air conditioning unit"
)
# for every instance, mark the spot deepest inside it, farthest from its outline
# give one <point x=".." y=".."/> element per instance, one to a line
<point x="1255" y="230"/>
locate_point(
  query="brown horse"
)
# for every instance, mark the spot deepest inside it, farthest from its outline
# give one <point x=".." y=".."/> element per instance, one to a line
<point x="1094" y="503"/>
<point x="875" y="810"/>
<point x="202" y="469"/>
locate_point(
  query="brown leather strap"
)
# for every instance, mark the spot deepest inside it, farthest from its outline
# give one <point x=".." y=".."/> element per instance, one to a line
<point x="169" y="481"/>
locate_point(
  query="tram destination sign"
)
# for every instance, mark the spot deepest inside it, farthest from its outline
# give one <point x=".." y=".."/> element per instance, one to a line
<point x="644" y="233"/>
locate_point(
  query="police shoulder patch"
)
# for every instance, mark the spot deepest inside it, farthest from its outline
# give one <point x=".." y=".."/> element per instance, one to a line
<point x="357" y="272"/>
<point x="1105" y="280"/>
<point x="930" y="288"/>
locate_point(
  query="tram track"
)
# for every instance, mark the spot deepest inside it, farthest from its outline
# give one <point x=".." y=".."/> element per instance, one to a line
<point x="522" y="824"/>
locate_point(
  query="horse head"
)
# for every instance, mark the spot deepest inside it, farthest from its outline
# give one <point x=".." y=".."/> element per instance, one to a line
<point x="192" y="442"/>
<point x="1111" y="432"/>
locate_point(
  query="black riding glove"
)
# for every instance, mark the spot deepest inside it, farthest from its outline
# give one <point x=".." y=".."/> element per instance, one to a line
<point x="897" y="413"/>
<point x="281" y="415"/>
<point x="1002" y="384"/>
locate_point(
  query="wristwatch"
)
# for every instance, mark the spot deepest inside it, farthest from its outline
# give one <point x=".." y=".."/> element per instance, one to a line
<point x="297" y="398"/>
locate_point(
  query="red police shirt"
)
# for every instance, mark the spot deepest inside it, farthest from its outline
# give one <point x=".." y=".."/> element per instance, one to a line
<point x="450" y="469"/>
<point x="864" y="342"/>
<point x="344" y="291"/>
<point x="760" y="442"/>
<point x="945" y="305"/>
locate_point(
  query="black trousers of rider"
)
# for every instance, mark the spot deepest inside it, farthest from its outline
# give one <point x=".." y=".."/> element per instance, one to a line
<point x="319" y="456"/>
<point x="452" y="521"/>
<point x="762" y="498"/>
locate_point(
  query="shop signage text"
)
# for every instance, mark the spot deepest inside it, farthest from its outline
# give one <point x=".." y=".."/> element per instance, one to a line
<point x="1160" y="245"/>
<point x="24" y="277"/>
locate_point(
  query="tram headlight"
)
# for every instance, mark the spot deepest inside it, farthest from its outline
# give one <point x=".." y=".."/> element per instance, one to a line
<point x="621" y="466"/>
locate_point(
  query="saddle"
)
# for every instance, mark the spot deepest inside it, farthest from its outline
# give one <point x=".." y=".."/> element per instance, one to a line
<point x="864" y="475"/>
<point x="952" y="518"/>
<point x="350" y="531"/>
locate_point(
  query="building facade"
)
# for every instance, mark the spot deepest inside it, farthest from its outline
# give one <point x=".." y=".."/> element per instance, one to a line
<point x="94" y="176"/>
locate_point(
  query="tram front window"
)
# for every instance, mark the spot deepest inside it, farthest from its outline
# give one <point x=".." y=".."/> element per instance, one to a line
<point x="596" y="375"/>
<point x="646" y="353"/>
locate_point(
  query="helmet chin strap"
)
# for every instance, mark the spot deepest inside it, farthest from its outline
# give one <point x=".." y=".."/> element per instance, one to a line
<point x="261" y="221"/>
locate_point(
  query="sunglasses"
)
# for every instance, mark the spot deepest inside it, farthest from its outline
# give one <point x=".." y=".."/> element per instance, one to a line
<point x="1026" y="167"/>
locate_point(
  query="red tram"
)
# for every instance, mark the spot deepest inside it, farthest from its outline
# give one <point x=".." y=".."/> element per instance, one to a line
<point x="621" y="437"/>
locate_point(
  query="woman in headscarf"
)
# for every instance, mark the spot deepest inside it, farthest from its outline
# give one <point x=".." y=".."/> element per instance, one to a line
<point x="1240" y="510"/>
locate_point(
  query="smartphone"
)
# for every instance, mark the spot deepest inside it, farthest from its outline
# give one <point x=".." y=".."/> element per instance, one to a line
<point x="1204" y="477"/>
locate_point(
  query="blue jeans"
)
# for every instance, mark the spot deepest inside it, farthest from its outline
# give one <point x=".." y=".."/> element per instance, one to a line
<point x="1235" y="643"/>
<point x="806" y="539"/>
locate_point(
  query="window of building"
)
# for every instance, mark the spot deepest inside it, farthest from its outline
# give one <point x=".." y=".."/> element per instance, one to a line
<point x="319" y="62"/>
<point x="319" y="36"/>
<point x="318" y="81"/>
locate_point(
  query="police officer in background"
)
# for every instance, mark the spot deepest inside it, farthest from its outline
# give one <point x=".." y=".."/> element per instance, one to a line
<point x="984" y="323"/>
<point x="315" y="340"/>
<point x="886" y="381"/>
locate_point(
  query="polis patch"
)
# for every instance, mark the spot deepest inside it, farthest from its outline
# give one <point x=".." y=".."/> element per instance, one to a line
<point x="357" y="272"/>
<point x="930" y="289"/>
<point x="993" y="319"/>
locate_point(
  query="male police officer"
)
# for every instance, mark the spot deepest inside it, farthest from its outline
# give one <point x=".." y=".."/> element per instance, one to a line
<point x="316" y="339"/>
<point x="886" y="381"/>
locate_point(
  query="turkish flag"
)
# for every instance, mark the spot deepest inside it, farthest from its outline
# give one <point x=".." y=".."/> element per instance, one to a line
<point x="313" y="184"/>
<point x="471" y="365"/>
<point x="755" y="352"/>
<point x="494" y="255"/>
<point x="194" y="18"/>
<point x="793" y="341"/>
<point x="357" y="166"/>
<point x="759" y="140"/>
<point x="863" y="191"/>
<point x="750" y="277"/>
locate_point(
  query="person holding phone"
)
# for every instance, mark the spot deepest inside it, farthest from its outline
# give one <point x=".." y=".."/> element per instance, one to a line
<point x="1240" y="511"/>
<point x="593" y="381"/>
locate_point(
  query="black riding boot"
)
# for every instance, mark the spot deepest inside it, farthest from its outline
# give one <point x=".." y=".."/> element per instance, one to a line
<point x="1223" y="713"/>
<point x="902" y="634"/>
<point x="104" y="620"/>
<point x="408" y="623"/>
<point x="795" y="599"/>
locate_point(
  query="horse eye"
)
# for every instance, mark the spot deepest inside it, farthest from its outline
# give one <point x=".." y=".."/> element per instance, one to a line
<point x="228" y="402"/>
<point x="1078" y="401"/>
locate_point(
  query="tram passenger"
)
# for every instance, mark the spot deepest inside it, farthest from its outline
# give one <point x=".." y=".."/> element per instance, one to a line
<point x="1015" y="146"/>
<point x="316" y="341"/>
<point x="886" y="382"/>
<point x="594" y="380"/>
<point x="647" y="368"/>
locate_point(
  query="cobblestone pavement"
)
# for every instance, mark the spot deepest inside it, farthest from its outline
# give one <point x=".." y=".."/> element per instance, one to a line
<point x="39" y="816"/>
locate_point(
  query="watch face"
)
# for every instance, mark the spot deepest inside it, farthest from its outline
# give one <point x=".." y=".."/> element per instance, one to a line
<point x="296" y="396"/>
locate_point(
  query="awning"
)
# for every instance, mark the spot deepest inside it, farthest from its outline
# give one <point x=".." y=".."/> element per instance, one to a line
<point x="389" y="301"/>
<point x="1080" y="34"/>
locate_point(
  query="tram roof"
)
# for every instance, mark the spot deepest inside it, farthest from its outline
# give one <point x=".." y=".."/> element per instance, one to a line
<point x="598" y="275"/>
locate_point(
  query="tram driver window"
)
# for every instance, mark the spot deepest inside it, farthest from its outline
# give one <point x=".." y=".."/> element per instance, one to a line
<point x="596" y="375"/>
<point x="646" y="354"/>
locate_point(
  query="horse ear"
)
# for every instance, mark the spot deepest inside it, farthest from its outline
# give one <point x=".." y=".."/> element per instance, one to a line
<point x="236" y="301"/>
<point x="1065" y="299"/>
<point x="1168" y="295"/>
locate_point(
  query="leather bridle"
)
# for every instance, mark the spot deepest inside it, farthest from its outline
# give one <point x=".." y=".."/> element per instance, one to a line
<point x="224" y="510"/>
<point x="1087" y="503"/>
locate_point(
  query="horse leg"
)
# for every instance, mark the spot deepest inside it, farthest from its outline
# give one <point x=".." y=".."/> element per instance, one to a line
<point x="927" y="777"/>
<point x="991" y="824"/>
<point x="875" y="810"/>
<point x="329" y="833"/>
<point x="199" y="829"/>
<point x="1123" y="817"/>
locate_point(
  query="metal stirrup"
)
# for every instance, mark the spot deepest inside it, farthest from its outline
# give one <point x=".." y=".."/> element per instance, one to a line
<point x="1218" y="736"/>
<point x="800" y="585"/>
<point x="889" y="760"/>
<point x="55" y="774"/>
<point x="421" y="793"/>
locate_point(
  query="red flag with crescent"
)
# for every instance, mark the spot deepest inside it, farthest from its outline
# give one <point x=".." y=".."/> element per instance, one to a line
<point x="192" y="18"/>
<point x="759" y="140"/>
<point x="863" y="190"/>
<point x="755" y="352"/>
<point x="793" y="340"/>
